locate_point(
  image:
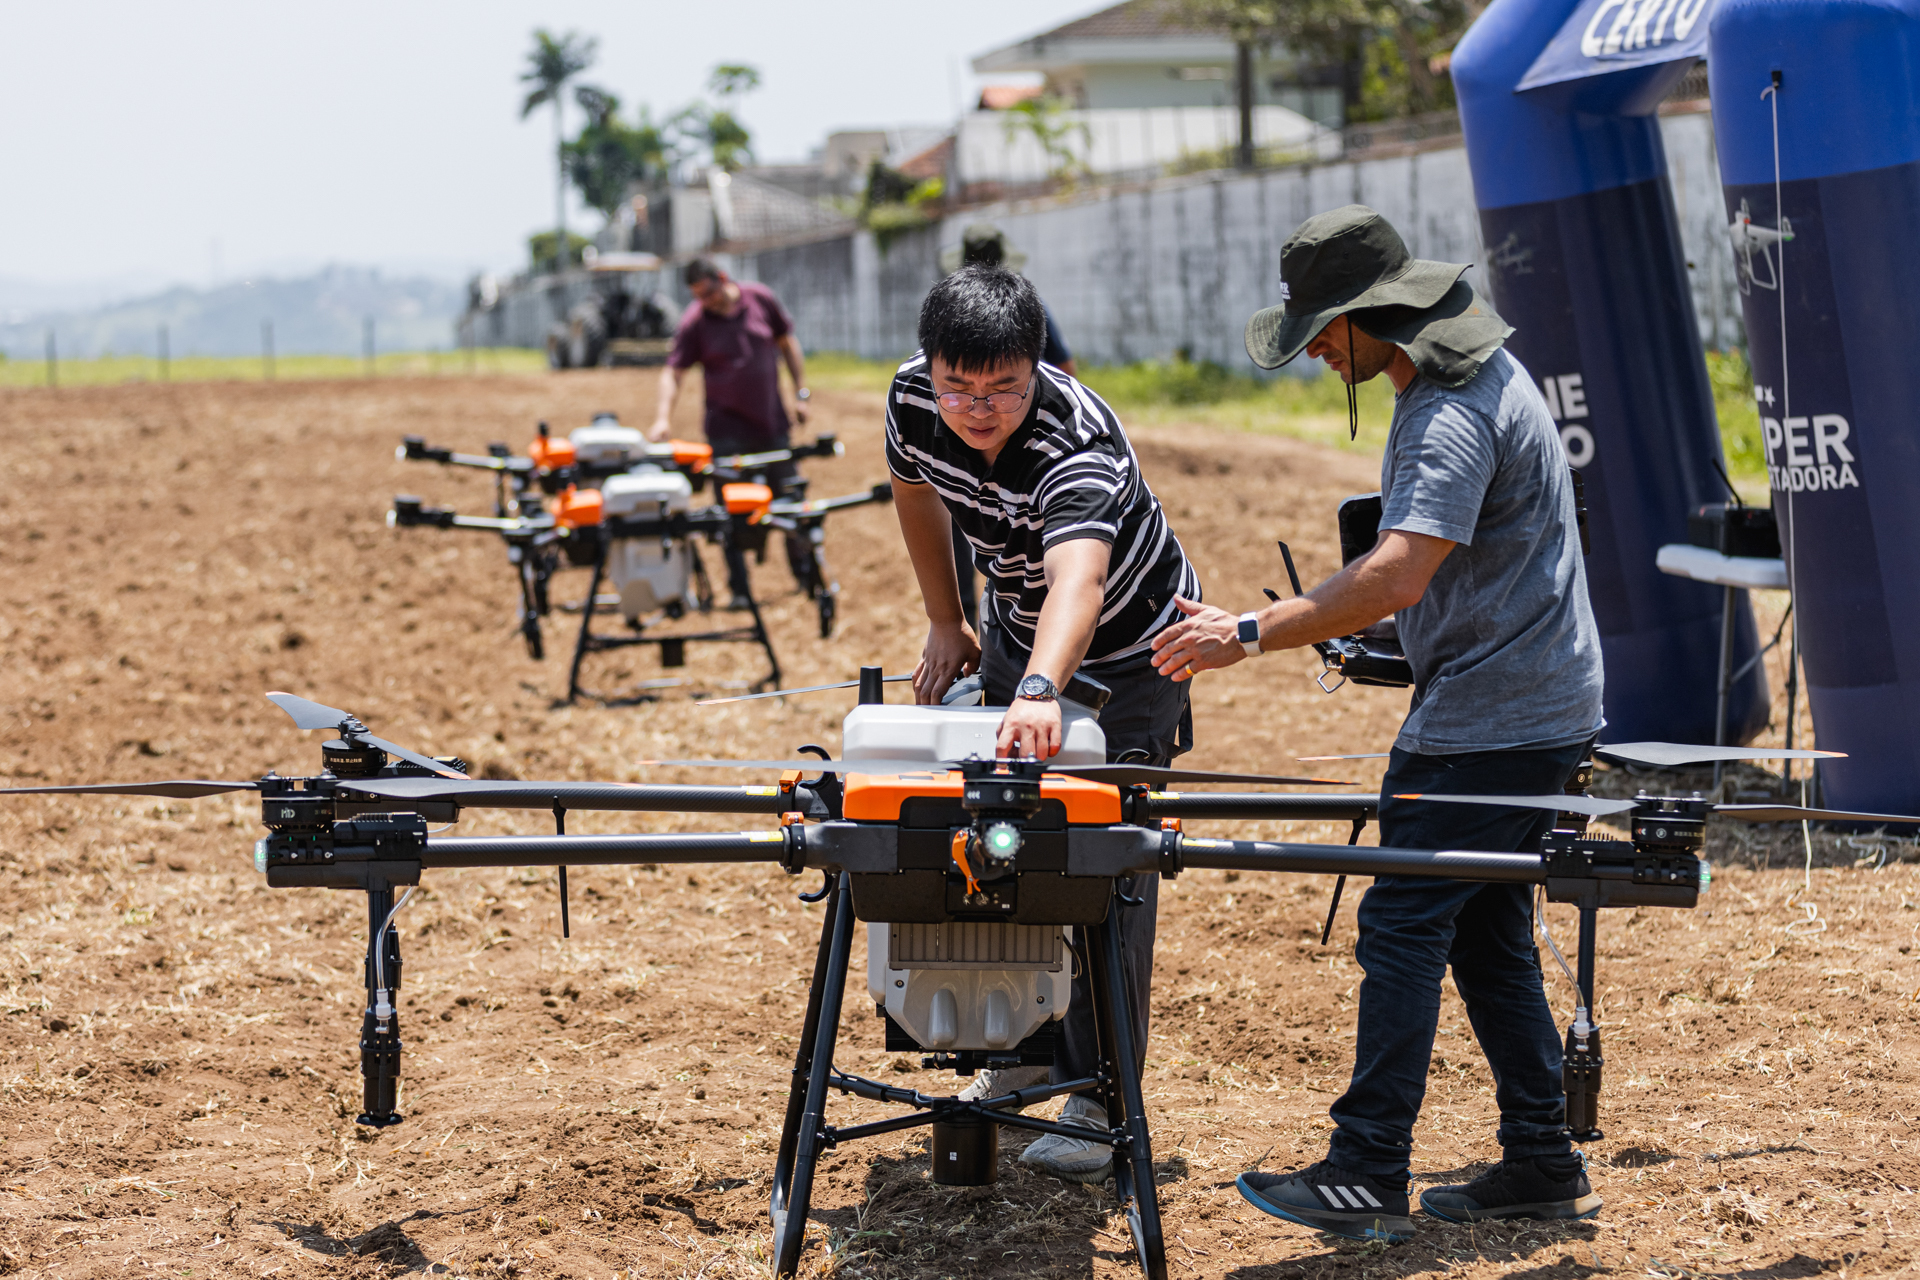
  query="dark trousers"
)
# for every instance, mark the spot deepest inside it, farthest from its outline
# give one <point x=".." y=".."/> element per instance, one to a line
<point x="799" y="550"/>
<point x="1149" y="720"/>
<point x="1412" y="929"/>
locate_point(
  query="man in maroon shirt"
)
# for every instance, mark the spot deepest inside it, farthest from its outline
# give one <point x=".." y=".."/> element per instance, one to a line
<point x="738" y="333"/>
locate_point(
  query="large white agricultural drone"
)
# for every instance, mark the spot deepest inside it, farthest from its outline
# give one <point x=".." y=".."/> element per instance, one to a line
<point x="984" y="884"/>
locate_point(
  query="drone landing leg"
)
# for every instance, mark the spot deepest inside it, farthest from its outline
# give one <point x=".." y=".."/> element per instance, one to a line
<point x="530" y="605"/>
<point x="1333" y="908"/>
<point x="380" y="1027"/>
<point x="793" y="1186"/>
<point x="1580" y="1072"/>
<point x="585" y="641"/>
<point x="1126" y="1106"/>
<point x="766" y="641"/>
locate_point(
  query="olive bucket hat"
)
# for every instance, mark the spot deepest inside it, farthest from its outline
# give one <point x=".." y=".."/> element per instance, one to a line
<point x="1352" y="262"/>
<point x="985" y="243"/>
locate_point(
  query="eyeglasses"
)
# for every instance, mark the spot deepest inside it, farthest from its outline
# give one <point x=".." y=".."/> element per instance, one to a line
<point x="998" y="402"/>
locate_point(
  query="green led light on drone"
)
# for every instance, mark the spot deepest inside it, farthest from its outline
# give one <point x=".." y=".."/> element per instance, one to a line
<point x="1003" y="840"/>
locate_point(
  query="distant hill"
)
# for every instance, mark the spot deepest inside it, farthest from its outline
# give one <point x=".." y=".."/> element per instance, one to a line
<point x="321" y="314"/>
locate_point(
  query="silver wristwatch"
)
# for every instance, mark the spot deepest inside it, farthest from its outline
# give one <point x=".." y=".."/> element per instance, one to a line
<point x="1037" y="688"/>
<point x="1248" y="633"/>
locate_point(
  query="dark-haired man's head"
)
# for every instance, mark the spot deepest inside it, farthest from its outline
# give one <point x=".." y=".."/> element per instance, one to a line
<point x="983" y="330"/>
<point x="711" y="287"/>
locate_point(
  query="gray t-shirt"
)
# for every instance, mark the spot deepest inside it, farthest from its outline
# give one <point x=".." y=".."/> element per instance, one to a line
<point x="1503" y="645"/>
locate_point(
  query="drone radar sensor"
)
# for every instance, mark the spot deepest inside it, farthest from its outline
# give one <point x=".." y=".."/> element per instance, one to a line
<point x="985" y="884"/>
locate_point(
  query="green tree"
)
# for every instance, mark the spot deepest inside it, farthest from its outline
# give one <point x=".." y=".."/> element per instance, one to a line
<point x="1387" y="48"/>
<point x="714" y="128"/>
<point x="609" y="155"/>
<point x="540" y="249"/>
<point x="551" y="64"/>
<point x="1044" y="119"/>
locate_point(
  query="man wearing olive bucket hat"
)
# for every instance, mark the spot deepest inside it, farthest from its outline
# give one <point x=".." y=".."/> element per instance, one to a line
<point x="1478" y="557"/>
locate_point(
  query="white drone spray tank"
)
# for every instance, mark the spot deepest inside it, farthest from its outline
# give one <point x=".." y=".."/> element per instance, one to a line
<point x="650" y="574"/>
<point x="958" y="986"/>
<point x="605" y="443"/>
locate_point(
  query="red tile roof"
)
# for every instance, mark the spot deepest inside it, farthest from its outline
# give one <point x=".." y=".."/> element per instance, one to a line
<point x="1131" y="19"/>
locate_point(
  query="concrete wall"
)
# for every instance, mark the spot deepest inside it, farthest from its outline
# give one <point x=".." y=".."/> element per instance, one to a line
<point x="1182" y="262"/>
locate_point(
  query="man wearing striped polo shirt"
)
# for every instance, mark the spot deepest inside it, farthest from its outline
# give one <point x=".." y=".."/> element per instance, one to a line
<point x="1081" y="572"/>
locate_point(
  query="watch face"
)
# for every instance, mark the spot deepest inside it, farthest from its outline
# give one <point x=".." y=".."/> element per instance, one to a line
<point x="1036" y="687"/>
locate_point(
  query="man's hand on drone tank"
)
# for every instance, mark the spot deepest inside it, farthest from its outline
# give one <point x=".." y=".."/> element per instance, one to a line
<point x="952" y="651"/>
<point x="1205" y="640"/>
<point x="1030" y="728"/>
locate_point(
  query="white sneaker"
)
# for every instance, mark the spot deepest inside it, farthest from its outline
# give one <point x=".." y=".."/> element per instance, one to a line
<point x="993" y="1084"/>
<point x="1074" y="1159"/>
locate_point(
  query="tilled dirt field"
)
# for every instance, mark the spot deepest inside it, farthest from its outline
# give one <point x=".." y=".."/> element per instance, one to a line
<point x="178" y="1052"/>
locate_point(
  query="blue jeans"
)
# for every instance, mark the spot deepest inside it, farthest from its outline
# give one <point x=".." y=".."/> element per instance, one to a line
<point x="1412" y="929"/>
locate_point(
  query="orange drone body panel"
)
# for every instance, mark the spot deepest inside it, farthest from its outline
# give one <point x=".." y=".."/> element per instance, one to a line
<point x="551" y="452"/>
<point x="577" y="507"/>
<point x="750" y="500"/>
<point x="686" y="453"/>
<point x="873" y="797"/>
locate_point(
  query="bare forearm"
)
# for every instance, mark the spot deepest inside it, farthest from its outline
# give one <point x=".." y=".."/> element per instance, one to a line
<point x="1067" y="622"/>
<point x="796" y="360"/>
<point x="1076" y="592"/>
<point x="1380" y="583"/>
<point x="669" y="391"/>
<point x="927" y="530"/>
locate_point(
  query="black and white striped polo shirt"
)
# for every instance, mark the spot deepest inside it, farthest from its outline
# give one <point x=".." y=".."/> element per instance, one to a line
<point x="1067" y="473"/>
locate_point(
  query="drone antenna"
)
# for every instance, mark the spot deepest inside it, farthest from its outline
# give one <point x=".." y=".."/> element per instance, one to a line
<point x="1726" y="480"/>
<point x="1293" y="574"/>
<point x="560" y="829"/>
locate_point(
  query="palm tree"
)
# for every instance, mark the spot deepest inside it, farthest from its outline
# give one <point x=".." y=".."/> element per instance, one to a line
<point x="551" y="63"/>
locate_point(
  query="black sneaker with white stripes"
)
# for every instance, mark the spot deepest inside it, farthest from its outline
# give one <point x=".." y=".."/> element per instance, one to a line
<point x="1528" y="1187"/>
<point x="1339" y="1201"/>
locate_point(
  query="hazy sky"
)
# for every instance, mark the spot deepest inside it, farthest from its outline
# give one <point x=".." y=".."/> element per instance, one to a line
<point x="143" y="141"/>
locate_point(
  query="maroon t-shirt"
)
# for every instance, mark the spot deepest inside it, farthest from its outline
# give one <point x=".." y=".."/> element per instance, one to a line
<point x="742" y="365"/>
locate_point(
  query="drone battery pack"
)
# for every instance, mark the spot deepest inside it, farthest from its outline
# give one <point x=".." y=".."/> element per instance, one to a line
<point x="1735" y="531"/>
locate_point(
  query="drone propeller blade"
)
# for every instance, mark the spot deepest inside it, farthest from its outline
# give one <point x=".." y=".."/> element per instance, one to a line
<point x="308" y="714"/>
<point x="1674" y="755"/>
<point x="485" y="793"/>
<point x="1116" y="774"/>
<point x="180" y="790"/>
<point x="1365" y="755"/>
<point x="412" y="757"/>
<point x="1794" y="813"/>
<point x="781" y="693"/>
<point x="1592" y="806"/>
